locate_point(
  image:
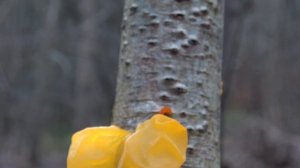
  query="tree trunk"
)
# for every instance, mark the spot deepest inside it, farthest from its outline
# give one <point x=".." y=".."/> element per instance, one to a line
<point x="171" y="55"/>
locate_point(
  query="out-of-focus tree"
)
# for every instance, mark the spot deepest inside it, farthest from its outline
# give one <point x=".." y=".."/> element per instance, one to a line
<point x="261" y="73"/>
<point x="58" y="62"/>
<point x="96" y="62"/>
<point x="261" y="63"/>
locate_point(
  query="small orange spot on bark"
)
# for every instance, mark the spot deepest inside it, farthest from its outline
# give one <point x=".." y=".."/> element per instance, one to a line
<point x="166" y="110"/>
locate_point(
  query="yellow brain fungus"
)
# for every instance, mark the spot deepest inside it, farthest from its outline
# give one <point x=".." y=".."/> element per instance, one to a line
<point x="159" y="142"/>
<point x="96" y="147"/>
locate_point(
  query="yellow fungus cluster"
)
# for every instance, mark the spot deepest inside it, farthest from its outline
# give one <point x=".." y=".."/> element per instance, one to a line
<point x="159" y="142"/>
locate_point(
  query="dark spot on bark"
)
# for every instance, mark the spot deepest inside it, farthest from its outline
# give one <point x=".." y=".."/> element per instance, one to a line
<point x="200" y="129"/>
<point x="142" y="29"/>
<point x="128" y="77"/>
<point x="172" y="48"/>
<point x="190" y="150"/>
<point x="196" y="12"/>
<point x="133" y="9"/>
<point x="179" y="89"/>
<point x="205" y="25"/>
<point x="182" y="114"/>
<point x="204" y="11"/>
<point x="154" y="24"/>
<point x="206" y="104"/>
<point x="133" y="25"/>
<point x="206" y="48"/>
<point x="178" y="15"/>
<point x="153" y="16"/>
<point x="146" y="13"/>
<point x="168" y="67"/>
<point x="174" y="51"/>
<point x="127" y="62"/>
<point x="193" y="41"/>
<point x="189" y="128"/>
<point x="210" y="3"/>
<point x="179" y="33"/>
<point x="185" y="45"/>
<point x="169" y="80"/>
<point x="152" y="42"/>
<point x="192" y="19"/>
<point x="164" y="97"/>
<point x="168" y="23"/>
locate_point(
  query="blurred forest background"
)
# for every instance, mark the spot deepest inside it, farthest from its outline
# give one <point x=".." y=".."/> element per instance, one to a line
<point x="58" y="67"/>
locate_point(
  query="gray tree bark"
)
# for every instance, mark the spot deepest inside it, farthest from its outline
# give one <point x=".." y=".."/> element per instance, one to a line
<point x="171" y="55"/>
